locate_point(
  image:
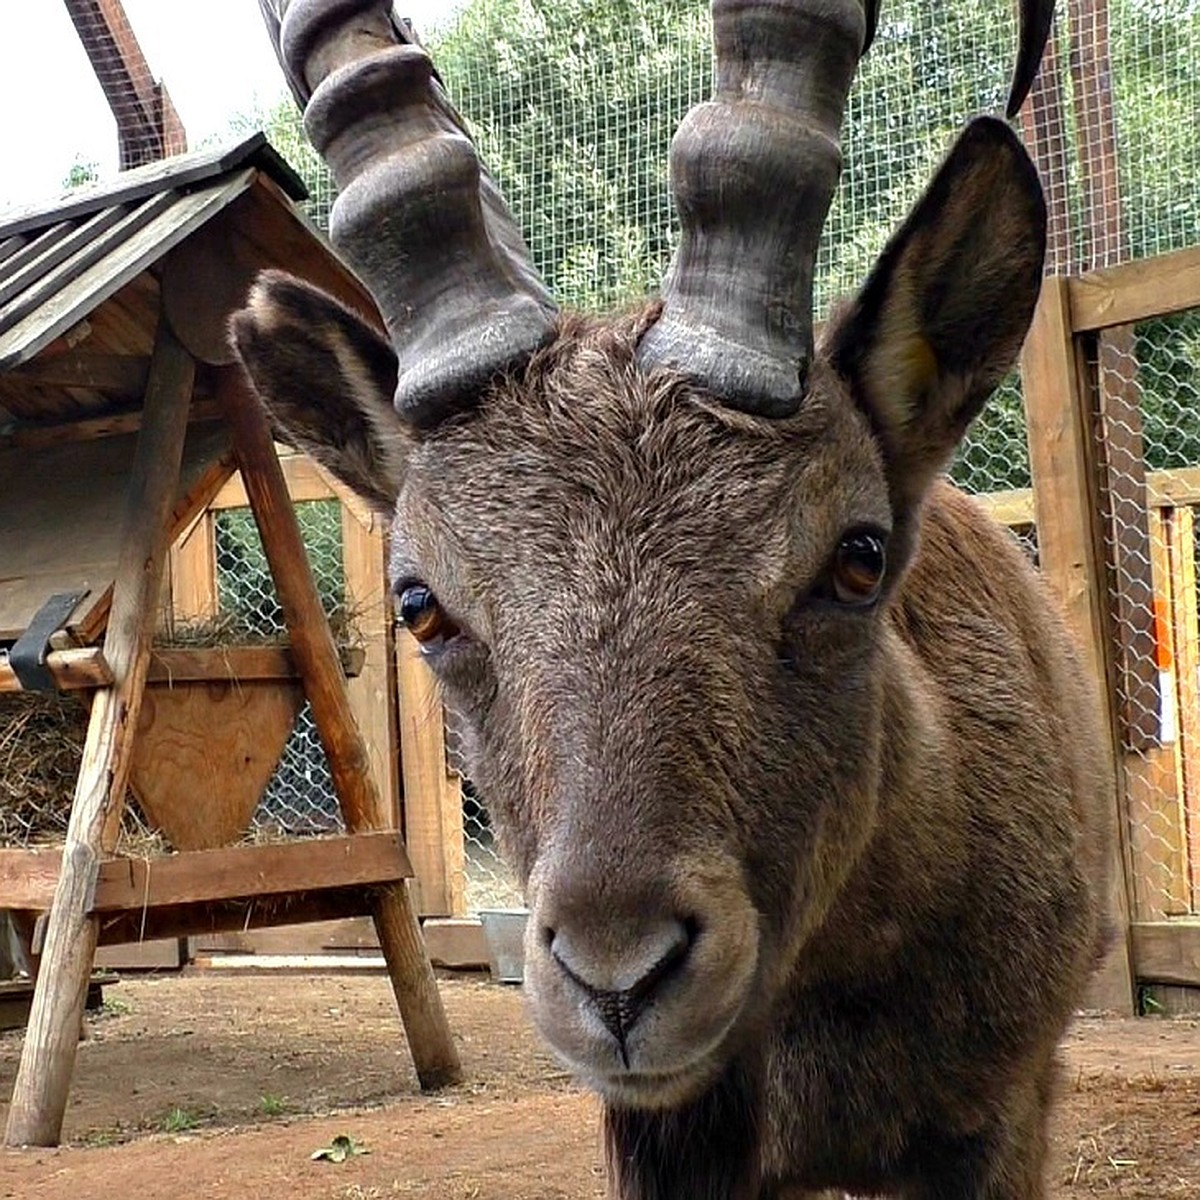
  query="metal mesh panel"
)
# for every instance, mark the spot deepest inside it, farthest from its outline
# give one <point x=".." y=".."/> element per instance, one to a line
<point x="300" y="798"/>
<point x="1148" y="385"/>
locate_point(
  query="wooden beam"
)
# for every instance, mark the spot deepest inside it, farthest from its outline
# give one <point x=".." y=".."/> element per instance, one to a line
<point x="36" y="437"/>
<point x="28" y="878"/>
<point x="1167" y="951"/>
<point x="429" y="1038"/>
<point x="86" y="667"/>
<point x="1136" y="291"/>
<point x="433" y="829"/>
<point x="223" y="916"/>
<point x="124" y="374"/>
<point x="72" y="670"/>
<point x="1071" y="551"/>
<point x="43" y="1079"/>
<point x="304" y="482"/>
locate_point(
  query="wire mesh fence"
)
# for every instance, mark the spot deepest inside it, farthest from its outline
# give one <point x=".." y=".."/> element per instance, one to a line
<point x="300" y="798"/>
<point x="573" y="103"/>
<point x="1148" y="387"/>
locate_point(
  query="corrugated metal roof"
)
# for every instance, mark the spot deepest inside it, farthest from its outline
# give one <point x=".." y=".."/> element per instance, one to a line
<point x="59" y="260"/>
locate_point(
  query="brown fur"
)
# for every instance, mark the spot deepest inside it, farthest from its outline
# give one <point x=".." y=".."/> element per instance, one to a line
<point x="813" y="888"/>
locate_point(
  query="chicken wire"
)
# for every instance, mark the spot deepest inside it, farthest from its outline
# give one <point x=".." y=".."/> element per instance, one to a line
<point x="1148" y="389"/>
<point x="574" y="101"/>
<point x="300" y="798"/>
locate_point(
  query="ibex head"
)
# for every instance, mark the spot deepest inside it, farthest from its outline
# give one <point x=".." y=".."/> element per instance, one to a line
<point x="650" y="558"/>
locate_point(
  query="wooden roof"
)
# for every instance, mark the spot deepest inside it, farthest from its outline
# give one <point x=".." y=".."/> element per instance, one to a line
<point x="84" y="283"/>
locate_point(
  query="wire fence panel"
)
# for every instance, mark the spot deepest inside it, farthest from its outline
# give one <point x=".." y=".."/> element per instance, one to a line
<point x="574" y="102"/>
<point x="300" y="799"/>
<point x="1148" y="384"/>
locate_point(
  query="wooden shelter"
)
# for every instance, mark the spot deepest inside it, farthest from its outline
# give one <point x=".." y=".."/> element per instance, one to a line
<point x="122" y="415"/>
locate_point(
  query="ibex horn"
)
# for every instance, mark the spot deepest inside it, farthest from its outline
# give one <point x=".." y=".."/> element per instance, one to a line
<point x="753" y="172"/>
<point x="417" y="216"/>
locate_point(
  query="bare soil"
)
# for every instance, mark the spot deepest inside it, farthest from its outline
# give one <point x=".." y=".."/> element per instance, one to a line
<point x="220" y="1086"/>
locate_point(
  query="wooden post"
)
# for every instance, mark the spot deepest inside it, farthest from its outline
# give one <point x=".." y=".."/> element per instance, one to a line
<point x="433" y="827"/>
<point x="193" y="561"/>
<point x="373" y="690"/>
<point x="1071" y="548"/>
<point x="48" y="1059"/>
<point x="430" y="1042"/>
<point x="1185" y="623"/>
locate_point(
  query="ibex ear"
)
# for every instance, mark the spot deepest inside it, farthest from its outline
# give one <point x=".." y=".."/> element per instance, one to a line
<point x="942" y="316"/>
<point x="327" y="380"/>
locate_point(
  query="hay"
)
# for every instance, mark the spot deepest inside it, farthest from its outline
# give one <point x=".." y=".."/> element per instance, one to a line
<point x="41" y="744"/>
<point x="237" y="628"/>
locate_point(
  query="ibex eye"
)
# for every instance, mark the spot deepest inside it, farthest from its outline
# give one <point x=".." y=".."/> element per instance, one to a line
<point x="423" y="617"/>
<point x="858" y="568"/>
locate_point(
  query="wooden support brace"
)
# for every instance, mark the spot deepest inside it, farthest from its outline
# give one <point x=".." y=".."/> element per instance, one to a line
<point x="430" y="1041"/>
<point x="47" y="1061"/>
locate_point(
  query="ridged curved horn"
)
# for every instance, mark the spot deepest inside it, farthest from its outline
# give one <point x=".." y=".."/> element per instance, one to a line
<point x="417" y="216"/>
<point x="753" y="172"/>
<point x="1036" y="18"/>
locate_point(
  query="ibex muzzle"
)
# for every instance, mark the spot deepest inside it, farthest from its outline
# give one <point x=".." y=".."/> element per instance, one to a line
<point x="777" y="729"/>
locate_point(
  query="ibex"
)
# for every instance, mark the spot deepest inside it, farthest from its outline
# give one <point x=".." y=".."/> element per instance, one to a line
<point x="779" y="731"/>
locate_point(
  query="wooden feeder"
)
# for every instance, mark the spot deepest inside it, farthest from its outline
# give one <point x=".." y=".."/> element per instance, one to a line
<point x="121" y="417"/>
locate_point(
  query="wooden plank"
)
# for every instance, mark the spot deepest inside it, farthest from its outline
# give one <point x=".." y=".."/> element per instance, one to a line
<point x="430" y="1042"/>
<point x="124" y="374"/>
<point x="48" y="1058"/>
<point x="304" y="482"/>
<point x="31" y="251"/>
<point x="28" y="877"/>
<point x="456" y="943"/>
<point x="1185" y="624"/>
<point x="1122" y="462"/>
<point x="193" y="567"/>
<point x="242" y="872"/>
<point x="217" y="741"/>
<point x="72" y="670"/>
<point x="1070" y="543"/>
<point x="86" y="255"/>
<point x="164" y="954"/>
<point x="66" y="502"/>
<point x="1167" y="951"/>
<point x="260" y="912"/>
<point x="373" y="693"/>
<point x="184" y="171"/>
<point x="1157" y="841"/>
<point x="1136" y="291"/>
<point x="434" y="836"/>
<point x="87" y="429"/>
<point x="75" y="299"/>
<point x="1011" y="508"/>
<point x="9" y="245"/>
<point x="64" y="244"/>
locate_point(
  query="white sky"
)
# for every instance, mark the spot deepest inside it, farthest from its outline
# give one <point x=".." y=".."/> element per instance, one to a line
<point x="213" y="55"/>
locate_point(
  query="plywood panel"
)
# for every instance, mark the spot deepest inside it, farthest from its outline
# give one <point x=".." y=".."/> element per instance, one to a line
<point x="205" y="752"/>
<point x="61" y="509"/>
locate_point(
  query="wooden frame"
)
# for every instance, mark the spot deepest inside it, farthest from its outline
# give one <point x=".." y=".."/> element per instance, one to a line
<point x="1132" y="603"/>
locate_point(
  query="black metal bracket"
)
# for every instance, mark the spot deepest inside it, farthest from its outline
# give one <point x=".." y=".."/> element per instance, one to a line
<point x="29" y="652"/>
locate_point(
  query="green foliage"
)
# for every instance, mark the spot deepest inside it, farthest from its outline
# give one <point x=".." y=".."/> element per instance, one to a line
<point x="574" y="102"/>
<point x="81" y="174"/>
<point x="179" y="1120"/>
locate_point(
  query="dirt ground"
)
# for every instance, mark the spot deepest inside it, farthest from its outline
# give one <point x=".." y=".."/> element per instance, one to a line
<point x="217" y="1086"/>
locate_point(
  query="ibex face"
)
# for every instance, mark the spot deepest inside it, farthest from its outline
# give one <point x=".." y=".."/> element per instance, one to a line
<point x="651" y="559"/>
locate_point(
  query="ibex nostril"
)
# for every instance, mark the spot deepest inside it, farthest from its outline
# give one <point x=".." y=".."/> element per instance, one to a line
<point x="621" y="978"/>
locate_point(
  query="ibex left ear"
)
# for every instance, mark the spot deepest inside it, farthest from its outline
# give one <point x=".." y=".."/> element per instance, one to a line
<point x="942" y="316"/>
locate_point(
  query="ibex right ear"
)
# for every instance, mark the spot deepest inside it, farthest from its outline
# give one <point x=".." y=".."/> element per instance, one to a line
<point x="327" y="380"/>
<point x="942" y="316"/>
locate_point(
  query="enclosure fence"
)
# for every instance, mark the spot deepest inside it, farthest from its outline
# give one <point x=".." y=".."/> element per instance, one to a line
<point x="574" y="102"/>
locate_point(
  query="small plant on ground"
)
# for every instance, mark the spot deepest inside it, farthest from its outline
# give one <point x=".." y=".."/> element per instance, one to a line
<point x="179" y="1120"/>
<point x="272" y="1105"/>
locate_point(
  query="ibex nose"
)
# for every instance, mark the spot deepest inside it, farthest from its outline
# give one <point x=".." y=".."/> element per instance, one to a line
<point x="621" y="979"/>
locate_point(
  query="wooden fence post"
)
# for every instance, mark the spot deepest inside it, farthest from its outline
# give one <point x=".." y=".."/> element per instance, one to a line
<point x="48" y="1059"/>
<point x="1071" y="549"/>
